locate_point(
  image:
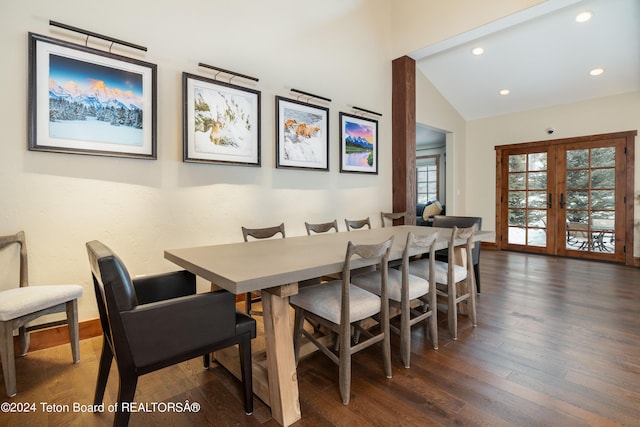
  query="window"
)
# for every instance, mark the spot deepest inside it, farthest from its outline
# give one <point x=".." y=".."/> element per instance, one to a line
<point x="427" y="178"/>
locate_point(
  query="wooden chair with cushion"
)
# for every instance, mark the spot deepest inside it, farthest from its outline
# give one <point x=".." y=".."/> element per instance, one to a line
<point x="21" y="304"/>
<point x="317" y="229"/>
<point x="321" y="228"/>
<point x="454" y="282"/>
<point x="391" y="217"/>
<point x="340" y="306"/>
<point x="405" y="290"/>
<point x="157" y="321"/>
<point x="446" y="221"/>
<point x="353" y="224"/>
<point x="258" y="233"/>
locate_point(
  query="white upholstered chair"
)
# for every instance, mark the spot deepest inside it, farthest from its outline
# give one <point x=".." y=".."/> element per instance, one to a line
<point x="340" y="306"/>
<point x="406" y="290"/>
<point x="454" y="282"/>
<point x="21" y="303"/>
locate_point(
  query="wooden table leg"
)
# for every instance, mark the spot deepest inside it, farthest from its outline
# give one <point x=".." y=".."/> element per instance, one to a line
<point x="281" y="366"/>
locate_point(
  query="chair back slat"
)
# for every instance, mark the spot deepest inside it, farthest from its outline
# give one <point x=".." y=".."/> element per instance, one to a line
<point x="14" y="253"/>
<point x="321" y="228"/>
<point x="391" y="216"/>
<point x="262" y="233"/>
<point x="357" y="223"/>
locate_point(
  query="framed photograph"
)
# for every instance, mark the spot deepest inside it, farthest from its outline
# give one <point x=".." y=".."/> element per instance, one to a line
<point x="302" y="135"/>
<point x="87" y="101"/>
<point x="221" y="122"/>
<point x="358" y="144"/>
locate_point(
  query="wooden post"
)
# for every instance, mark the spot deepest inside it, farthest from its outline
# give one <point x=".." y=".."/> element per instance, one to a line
<point x="404" y="136"/>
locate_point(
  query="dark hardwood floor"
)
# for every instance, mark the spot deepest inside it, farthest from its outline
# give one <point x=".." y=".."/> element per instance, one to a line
<point x="557" y="344"/>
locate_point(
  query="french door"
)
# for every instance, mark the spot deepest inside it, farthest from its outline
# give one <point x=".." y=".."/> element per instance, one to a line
<point x="567" y="197"/>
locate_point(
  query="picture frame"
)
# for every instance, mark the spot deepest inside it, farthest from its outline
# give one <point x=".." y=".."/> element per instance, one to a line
<point x="358" y="144"/>
<point x="302" y="135"/>
<point x="221" y="122"/>
<point x="87" y="101"/>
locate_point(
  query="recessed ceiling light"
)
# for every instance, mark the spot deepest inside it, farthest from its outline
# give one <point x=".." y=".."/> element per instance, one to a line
<point x="477" y="51"/>
<point x="504" y="92"/>
<point x="584" y="16"/>
<point x="596" y="71"/>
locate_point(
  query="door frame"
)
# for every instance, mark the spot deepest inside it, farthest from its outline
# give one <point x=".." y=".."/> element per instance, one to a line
<point x="629" y="191"/>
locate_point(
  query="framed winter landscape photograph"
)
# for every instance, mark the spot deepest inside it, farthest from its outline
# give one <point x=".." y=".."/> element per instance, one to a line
<point x="87" y="101"/>
<point x="302" y="135"/>
<point x="358" y="144"/>
<point x="221" y="122"/>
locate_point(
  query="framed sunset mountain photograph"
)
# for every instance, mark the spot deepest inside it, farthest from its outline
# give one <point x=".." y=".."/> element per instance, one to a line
<point x="358" y="144"/>
<point x="87" y="101"/>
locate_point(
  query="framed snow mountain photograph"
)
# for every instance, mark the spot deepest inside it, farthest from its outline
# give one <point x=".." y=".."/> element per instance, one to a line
<point x="221" y="122"/>
<point x="302" y="135"/>
<point x="87" y="101"/>
<point x="358" y="144"/>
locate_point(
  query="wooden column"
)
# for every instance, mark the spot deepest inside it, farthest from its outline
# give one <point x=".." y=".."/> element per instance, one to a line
<point x="404" y="136"/>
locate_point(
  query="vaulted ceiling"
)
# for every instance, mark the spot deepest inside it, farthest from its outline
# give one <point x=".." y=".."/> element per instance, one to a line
<point x="543" y="56"/>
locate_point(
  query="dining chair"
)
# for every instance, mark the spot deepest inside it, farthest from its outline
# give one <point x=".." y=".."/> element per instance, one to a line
<point x="448" y="221"/>
<point x="391" y="216"/>
<point x="353" y="224"/>
<point x="158" y="321"/>
<point x="258" y="233"/>
<point x="340" y="306"/>
<point x="317" y="229"/>
<point x="321" y="228"/>
<point x="21" y="304"/>
<point x="405" y="289"/>
<point x="453" y="282"/>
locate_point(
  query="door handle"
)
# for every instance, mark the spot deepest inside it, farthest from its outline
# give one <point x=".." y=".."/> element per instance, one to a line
<point x="561" y="200"/>
<point x="550" y="201"/>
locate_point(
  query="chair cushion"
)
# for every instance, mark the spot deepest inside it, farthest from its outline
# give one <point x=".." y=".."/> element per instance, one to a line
<point x="421" y="268"/>
<point x="371" y="282"/>
<point x="324" y="300"/>
<point x="17" y="302"/>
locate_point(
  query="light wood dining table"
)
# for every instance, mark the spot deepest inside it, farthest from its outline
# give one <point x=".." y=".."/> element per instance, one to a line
<point x="274" y="267"/>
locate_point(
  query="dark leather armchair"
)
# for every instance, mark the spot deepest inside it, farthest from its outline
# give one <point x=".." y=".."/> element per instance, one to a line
<point x="461" y="222"/>
<point x="157" y="321"/>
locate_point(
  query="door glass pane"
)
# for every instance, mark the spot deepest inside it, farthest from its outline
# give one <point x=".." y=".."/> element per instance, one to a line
<point x="603" y="178"/>
<point x="518" y="163"/>
<point x="577" y="179"/>
<point x="603" y="199"/>
<point x="605" y="156"/>
<point x="577" y="159"/>
<point x="577" y="199"/>
<point x="517" y="199"/>
<point x="578" y="235"/>
<point x="517" y="181"/>
<point x="537" y="181"/>
<point x="538" y="161"/>
<point x="517" y="235"/>
<point x="517" y="217"/>
<point x="537" y="218"/>
<point x="537" y="237"/>
<point x="537" y="199"/>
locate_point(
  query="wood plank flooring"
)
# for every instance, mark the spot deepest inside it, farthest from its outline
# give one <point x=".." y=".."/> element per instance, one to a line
<point x="557" y="344"/>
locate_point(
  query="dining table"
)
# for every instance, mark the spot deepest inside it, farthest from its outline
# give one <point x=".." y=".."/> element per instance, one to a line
<point x="274" y="267"/>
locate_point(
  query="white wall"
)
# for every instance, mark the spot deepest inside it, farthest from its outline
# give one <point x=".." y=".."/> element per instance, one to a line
<point x="339" y="49"/>
<point x="604" y="115"/>
<point x="435" y="111"/>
